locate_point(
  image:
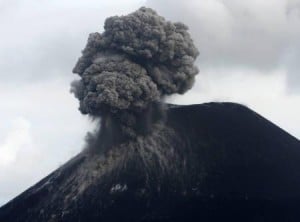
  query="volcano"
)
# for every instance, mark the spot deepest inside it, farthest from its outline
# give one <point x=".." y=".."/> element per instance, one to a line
<point x="207" y="162"/>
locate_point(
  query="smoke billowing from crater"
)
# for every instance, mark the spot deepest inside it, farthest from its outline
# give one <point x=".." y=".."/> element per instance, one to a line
<point x="126" y="70"/>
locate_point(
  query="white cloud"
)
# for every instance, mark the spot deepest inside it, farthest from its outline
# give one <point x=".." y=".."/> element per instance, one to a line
<point x="43" y="39"/>
<point x="49" y="133"/>
<point x="17" y="158"/>
<point x="18" y="138"/>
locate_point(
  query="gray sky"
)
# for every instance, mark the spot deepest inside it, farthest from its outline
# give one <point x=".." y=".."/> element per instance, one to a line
<point x="249" y="54"/>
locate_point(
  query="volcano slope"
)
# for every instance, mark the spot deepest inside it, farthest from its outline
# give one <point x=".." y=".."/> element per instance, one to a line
<point x="208" y="162"/>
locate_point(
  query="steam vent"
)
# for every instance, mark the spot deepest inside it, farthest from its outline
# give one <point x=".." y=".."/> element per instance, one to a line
<point x="151" y="161"/>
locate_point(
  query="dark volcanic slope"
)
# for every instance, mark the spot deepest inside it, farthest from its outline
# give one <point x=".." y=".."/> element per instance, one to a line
<point x="210" y="162"/>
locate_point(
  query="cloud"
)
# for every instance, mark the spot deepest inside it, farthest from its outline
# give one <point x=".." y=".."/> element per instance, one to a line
<point x="18" y="138"/>
<point x="42" y="38"/>
<point x="17" y="156"/>
<point x="41" y="128"/>
<point x="291" y="59"/>
<point x="261" y="35"/>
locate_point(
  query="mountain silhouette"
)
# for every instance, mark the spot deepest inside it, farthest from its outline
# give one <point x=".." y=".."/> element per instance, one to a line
<point x="207" y="162"/>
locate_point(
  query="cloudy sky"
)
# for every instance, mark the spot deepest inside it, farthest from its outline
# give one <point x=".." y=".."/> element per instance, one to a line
<point x="249" y="49"/>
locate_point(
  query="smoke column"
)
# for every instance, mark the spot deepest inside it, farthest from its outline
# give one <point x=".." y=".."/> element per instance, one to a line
<point x="127" y="70"/>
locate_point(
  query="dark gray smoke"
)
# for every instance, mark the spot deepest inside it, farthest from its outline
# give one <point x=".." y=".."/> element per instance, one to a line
<point x="131" y="66"/>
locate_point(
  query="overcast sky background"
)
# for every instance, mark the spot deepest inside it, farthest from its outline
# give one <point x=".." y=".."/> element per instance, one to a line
<point x="249" y="49"/>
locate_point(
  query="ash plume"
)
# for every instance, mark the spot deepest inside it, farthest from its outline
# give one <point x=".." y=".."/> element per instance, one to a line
<point x="128" y="69"/>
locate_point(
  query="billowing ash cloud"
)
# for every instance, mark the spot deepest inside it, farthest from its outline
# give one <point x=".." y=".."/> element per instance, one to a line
<point x="113" y="82"/>
<point x="133" y="64"/>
